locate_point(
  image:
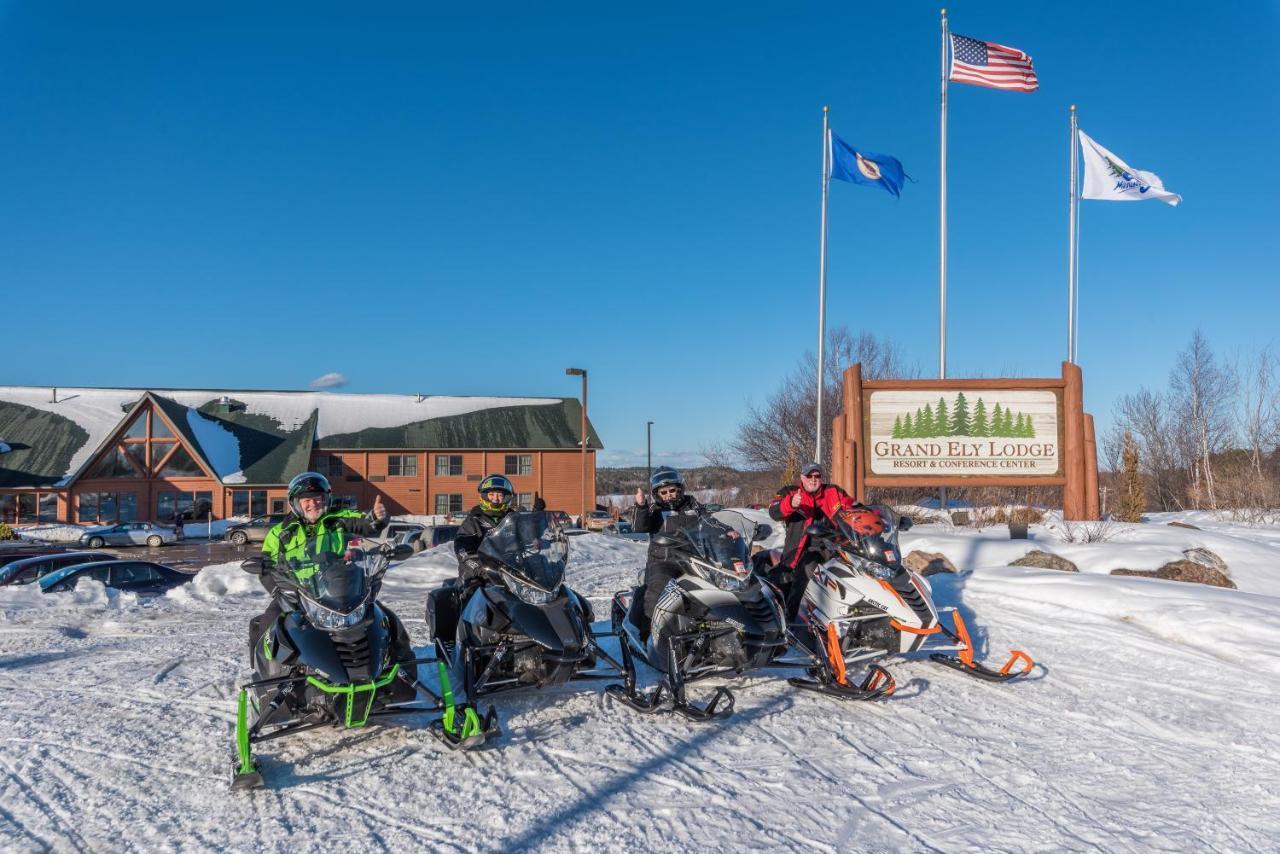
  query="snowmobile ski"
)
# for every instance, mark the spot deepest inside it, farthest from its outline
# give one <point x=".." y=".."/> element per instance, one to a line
<point x="461" y="727"/>
<point x="245" y="773"/>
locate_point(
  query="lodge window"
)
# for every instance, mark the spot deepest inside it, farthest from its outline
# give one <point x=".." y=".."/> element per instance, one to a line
<point x="519" y="464"/>
<point x="107" y="507"/>
<point x="278" y="505"/>
<point x="249" y="502"/>
<point x="332" y="466"/>
<point x="402" y="465"/>
<point x="448" y="465"/>
<point x="189" y="505"/>
<point x="448" y="502"/>
<point x="29" y="507"/>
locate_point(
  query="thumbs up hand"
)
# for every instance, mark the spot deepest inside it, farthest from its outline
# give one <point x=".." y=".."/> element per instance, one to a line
<point x="379" y="509"/>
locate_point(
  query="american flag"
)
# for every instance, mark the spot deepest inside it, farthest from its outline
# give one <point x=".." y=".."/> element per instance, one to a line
<point x="990" y="64"/>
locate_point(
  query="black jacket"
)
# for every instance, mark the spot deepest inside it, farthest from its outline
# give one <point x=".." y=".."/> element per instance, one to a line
<point x="648" y="518"/>
<point x="473" y="530"/>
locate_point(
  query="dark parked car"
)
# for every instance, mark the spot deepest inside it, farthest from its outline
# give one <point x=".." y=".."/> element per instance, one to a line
<point x="29" y="569"/>
<point x="253" y="531"/>
<point x="135" y="576"/>
<point x="561" y="518"/>
<point x="128" y="534"/>
<point x="405" y="534"/>
<point x="19" y="549"/>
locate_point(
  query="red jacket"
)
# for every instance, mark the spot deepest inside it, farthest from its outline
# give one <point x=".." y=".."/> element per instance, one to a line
<point x="814" y="507"/>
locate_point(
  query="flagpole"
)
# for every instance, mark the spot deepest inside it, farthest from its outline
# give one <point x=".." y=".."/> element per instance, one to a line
<point x="822" y="274"/>
<point x="1071" y="245"/>
<point x="942" y="231"/>
<point x="942" y="216"/>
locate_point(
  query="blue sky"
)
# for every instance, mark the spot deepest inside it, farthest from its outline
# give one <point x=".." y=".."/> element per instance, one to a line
<point x="434" y="199"/>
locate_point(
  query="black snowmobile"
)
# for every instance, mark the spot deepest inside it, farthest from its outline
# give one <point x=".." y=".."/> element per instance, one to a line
<point x="716" y="619"/>
<point x="335" y="656"/>
<point x="524" y="628"/>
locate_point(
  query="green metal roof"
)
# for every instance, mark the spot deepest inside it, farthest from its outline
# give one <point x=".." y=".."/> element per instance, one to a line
<point x="42" y="443"/>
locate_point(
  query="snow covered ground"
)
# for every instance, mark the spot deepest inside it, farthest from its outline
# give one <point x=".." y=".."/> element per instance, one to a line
<point x="1150" y="724"/>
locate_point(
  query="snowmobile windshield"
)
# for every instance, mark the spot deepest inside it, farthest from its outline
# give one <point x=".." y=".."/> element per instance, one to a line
<point x="721" y="539"/>
<point x="531" y="547"/>
<point x="874" y="527"/>
<point x="329" y="580"/>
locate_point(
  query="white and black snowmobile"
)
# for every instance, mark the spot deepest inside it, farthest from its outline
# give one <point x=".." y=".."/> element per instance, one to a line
<point x="523" y="628"/>
<point x="334" y="656"/>
<point x="716" y="619"/>
<point x="861" y="604"/>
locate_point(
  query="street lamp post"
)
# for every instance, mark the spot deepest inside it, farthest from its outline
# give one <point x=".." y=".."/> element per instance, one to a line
<point x="649" y="445"/>
<point x="582" y="372"/>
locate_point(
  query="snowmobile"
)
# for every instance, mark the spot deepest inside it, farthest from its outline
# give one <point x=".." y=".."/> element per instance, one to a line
<point x="716" y="619"/>
<point x="335" y="656"/>
<point x="861" y="604"/>
<point x="524" y="628"/>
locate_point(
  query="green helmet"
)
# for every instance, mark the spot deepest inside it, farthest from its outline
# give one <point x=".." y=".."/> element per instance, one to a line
<point x="309" y="483"/>
<point x="496" y="483"/>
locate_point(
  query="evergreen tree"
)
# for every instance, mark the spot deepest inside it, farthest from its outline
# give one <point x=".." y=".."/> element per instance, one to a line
<point x="980" y="425"/>
<point x="924" y="424"/>
<point x="961" y="424"/>
<point x="1008" y="423"/>
<point x="1134" y="498"/>
<point x="897" y="427"/>
<point x="908" y="430"/>
<point x="1017" y="427"/>
<point x="997" y="421"/>
<point x="941" y="420"/>
<point x="1029" y="430"/>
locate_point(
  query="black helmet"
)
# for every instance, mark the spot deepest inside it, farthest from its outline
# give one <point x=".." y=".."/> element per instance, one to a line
<point x="494" y="483"/>
<point x="309" y="483"/>
<point x="665" y="476"/>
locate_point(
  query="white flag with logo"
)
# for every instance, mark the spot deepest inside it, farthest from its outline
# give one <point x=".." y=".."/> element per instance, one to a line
<point x="1109" y="178"/>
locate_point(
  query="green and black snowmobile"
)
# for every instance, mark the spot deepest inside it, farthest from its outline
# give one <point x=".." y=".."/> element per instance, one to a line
<point x="334" y="656"/>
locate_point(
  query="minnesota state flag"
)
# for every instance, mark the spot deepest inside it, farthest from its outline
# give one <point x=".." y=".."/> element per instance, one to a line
<point x="863" y="167"/>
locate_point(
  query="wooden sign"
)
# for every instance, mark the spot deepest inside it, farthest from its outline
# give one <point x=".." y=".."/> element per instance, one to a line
<point x="992" y="432"/>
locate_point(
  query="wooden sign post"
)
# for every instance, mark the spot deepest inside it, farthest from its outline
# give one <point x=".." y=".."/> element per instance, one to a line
<point x="992" y="432"/>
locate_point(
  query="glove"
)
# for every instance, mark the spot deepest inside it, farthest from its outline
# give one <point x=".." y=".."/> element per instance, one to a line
<point x="471" y="569"/>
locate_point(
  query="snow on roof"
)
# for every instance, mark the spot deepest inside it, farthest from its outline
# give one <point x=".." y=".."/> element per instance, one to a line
<point x="221" y="447"/>
<point x="100" y="410"/>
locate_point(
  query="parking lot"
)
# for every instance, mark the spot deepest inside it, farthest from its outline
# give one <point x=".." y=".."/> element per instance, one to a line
<point x="187" y="555"/>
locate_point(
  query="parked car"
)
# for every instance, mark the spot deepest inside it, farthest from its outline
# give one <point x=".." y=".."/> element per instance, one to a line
<point x="561" y="518"/>
<point x="437" y="534"/>
<point x="253" y="531"/>
<point x="598" y="520"/>
<point x="20" y="549"/>
<point x="405" y="534"/>
<point x="134" y="576"/>
<point x="128" y="534"/>
<point x="29" y="569"/>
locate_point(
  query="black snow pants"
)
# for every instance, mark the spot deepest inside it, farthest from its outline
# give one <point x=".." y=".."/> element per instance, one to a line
<point x="657" y="574"/>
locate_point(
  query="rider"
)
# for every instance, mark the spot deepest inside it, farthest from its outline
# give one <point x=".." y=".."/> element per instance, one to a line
<point x="496" y="501"/>
<point x="800" y="505"/>
<point x="669" y="498"/>
<point x="310" y="530"/>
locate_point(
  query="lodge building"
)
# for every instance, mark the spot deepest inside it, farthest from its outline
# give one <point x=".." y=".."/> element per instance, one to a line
<point x="97" y="456"/>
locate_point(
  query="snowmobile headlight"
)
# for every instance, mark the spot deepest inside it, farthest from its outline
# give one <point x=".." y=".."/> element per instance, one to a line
<point x="330" y="620"/>
<point x="526" y="592"/>
<point x="870" y="567"/>
<point x="731" y="579"/>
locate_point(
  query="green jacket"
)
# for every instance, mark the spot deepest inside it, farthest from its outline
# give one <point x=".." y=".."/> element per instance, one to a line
<point x="293" y="539"/>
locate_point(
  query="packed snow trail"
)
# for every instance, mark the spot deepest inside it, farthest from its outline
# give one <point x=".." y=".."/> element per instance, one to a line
<point x="1149" y="725"/>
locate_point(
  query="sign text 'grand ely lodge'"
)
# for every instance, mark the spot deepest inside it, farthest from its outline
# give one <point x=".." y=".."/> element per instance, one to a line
<point x="983" y="431"/>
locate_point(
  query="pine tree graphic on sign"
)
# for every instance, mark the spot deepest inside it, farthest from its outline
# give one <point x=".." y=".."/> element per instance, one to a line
<point x="960" y="423"/>
<point x="980" y="426"/>
<point x="929" y="423"/>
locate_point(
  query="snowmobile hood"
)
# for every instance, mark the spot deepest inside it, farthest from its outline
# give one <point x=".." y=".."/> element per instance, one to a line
<point x="556" y="626"/>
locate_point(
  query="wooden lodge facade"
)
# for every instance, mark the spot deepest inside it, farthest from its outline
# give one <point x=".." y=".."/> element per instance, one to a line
<point x="224" y="453"/>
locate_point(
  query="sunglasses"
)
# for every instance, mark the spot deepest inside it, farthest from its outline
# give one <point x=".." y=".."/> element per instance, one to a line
<point x="817" y="475"/>
<point x="669" y="490"/>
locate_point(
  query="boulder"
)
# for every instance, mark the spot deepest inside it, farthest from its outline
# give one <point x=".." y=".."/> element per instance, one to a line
<point x="928" y="563"/>
<point x="1204" y="557"/>
<point x="1044" y="560"/>
<point x="1183" y="570"/>
<point x="1183" y="525"/>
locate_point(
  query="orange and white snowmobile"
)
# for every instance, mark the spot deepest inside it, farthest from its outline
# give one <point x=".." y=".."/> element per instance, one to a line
<point x="861" y="604"/>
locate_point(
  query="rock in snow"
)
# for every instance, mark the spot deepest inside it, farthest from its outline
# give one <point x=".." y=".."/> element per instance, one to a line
<point x="1044" y="560"/>
<point x="1183" y="570"/>
<point x="928" y="563"/>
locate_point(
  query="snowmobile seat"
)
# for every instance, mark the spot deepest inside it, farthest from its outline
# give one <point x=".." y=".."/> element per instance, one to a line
<point x="444" y="605"/>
